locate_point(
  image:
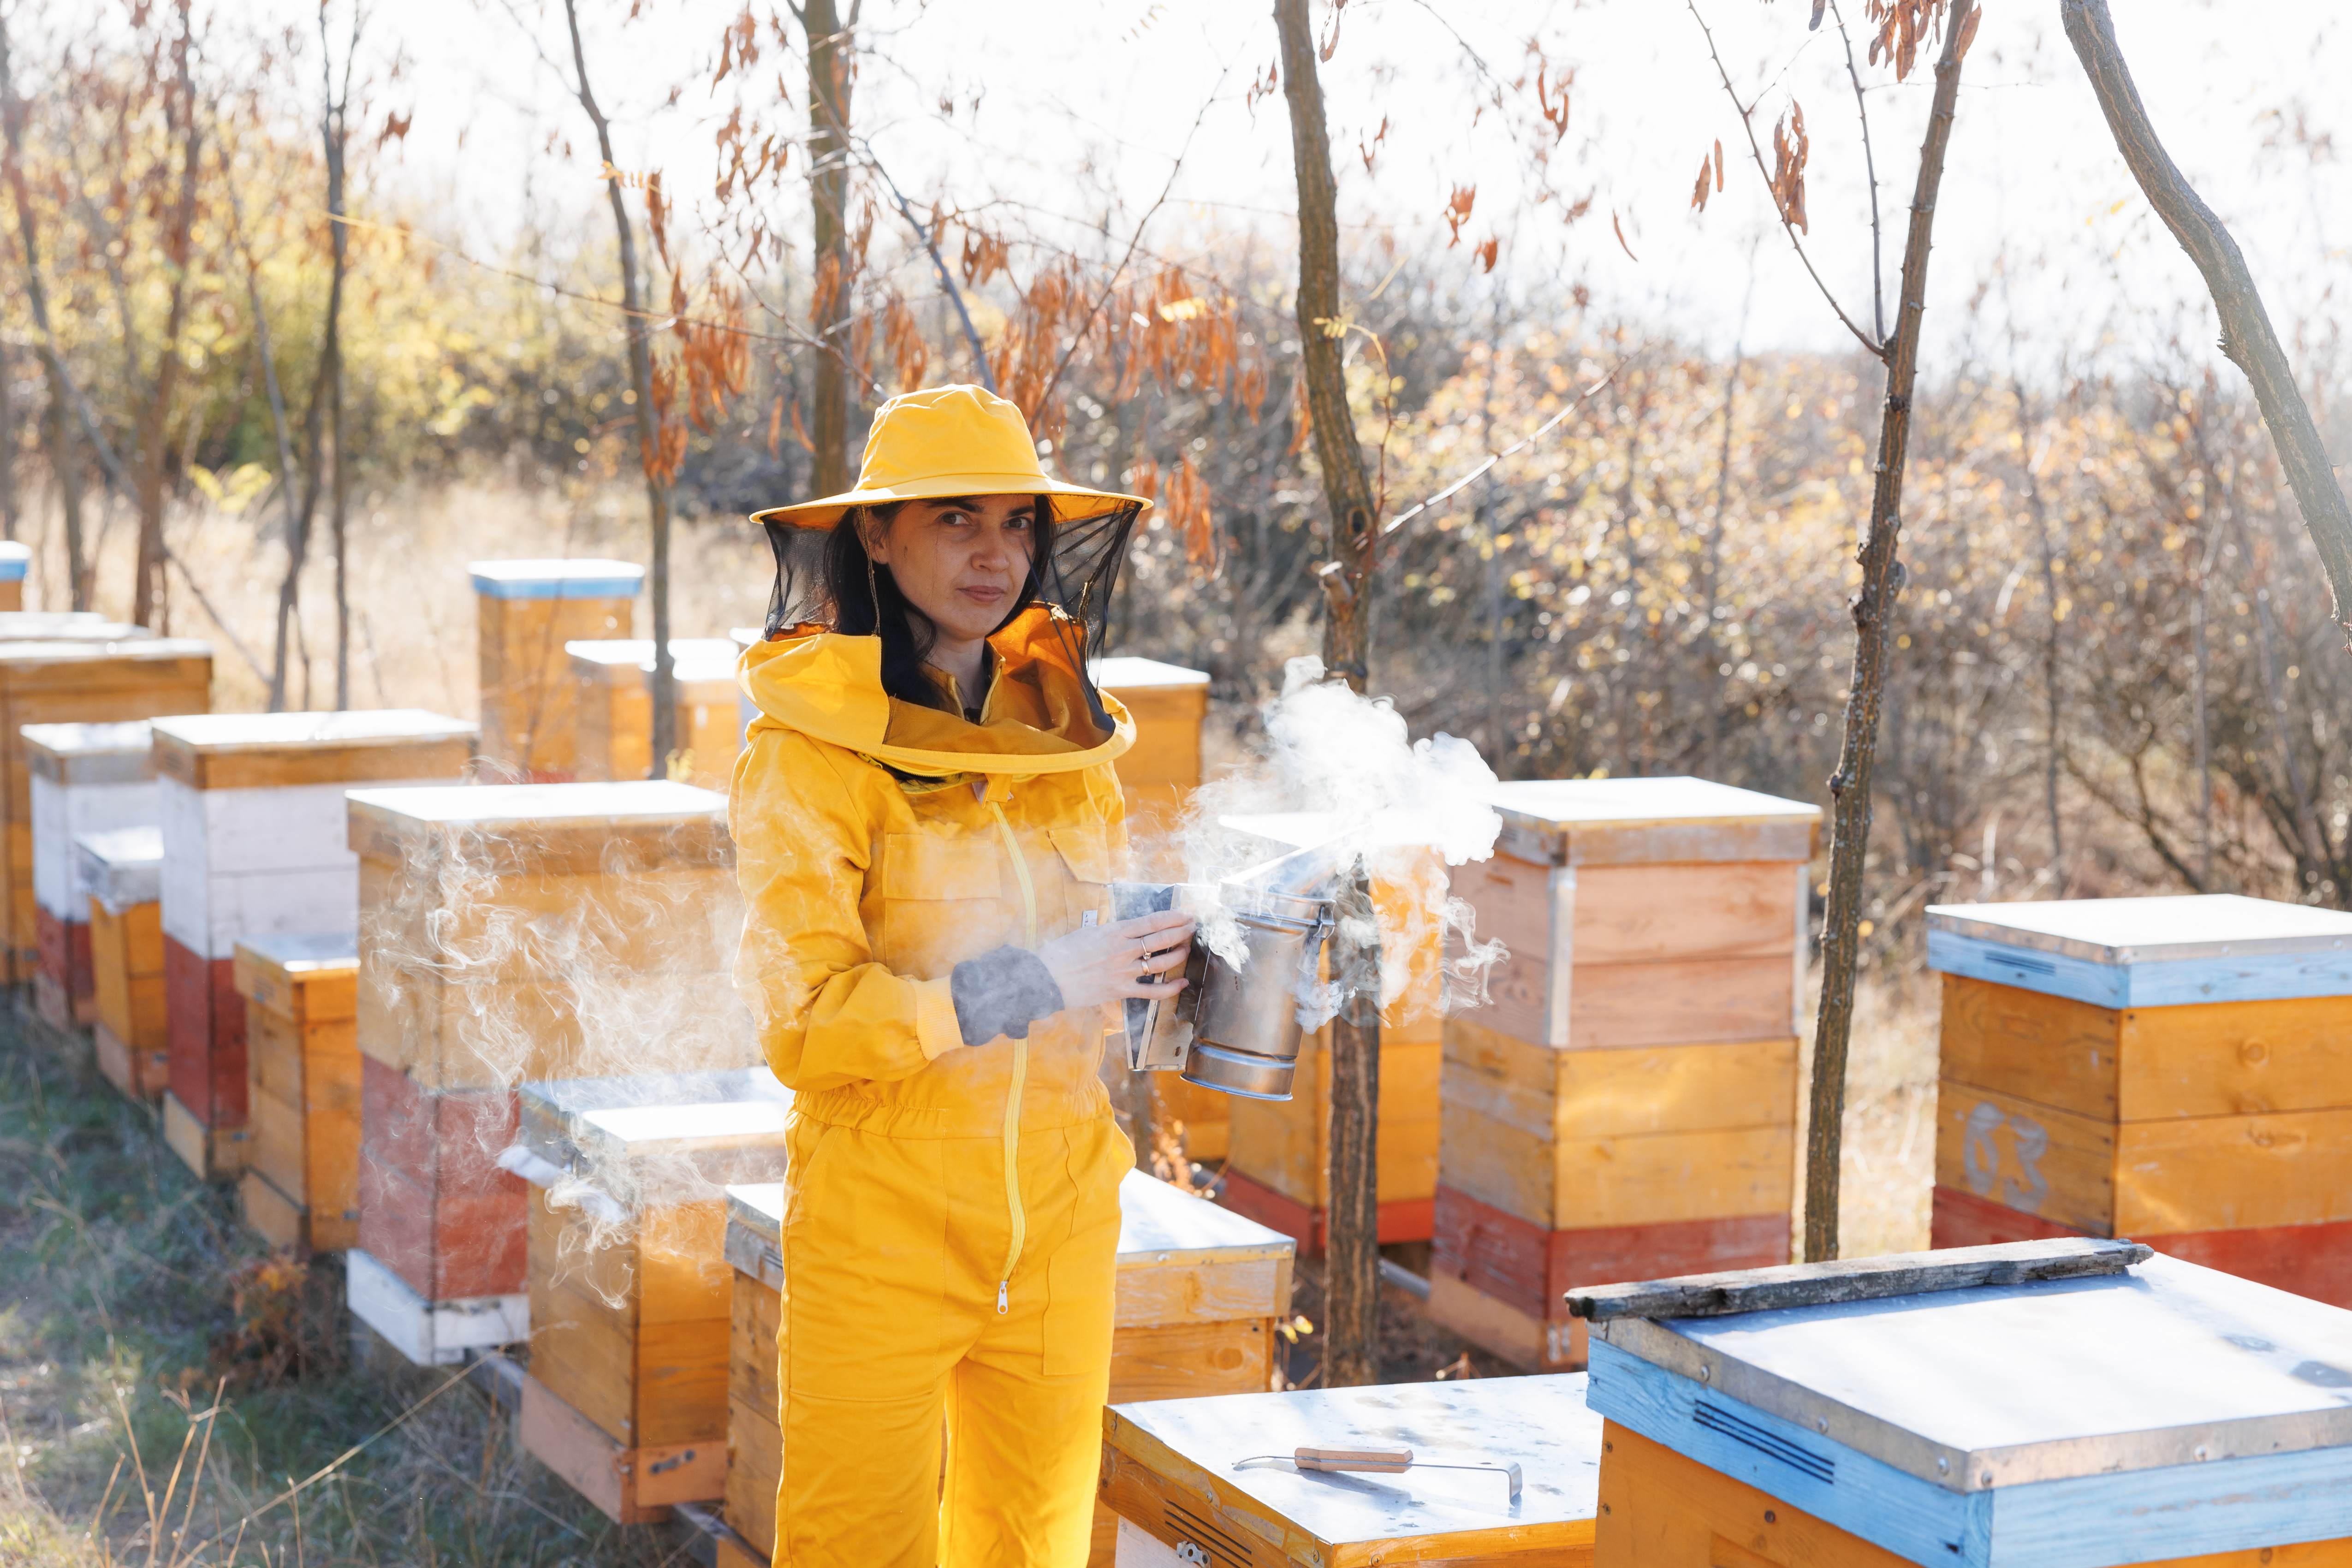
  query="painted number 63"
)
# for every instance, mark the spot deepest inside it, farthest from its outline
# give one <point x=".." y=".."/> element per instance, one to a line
<point x="1980" y="1157"/>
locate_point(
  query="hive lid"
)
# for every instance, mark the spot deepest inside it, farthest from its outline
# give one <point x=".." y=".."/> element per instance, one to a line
<point x="586" y="578"/>
<point x="91" y="754"/>
<point x="1542" y="1424"/>
<point x="14" y="559"/>
<point x="692" y="658"/>
<point x="305" y="953"/>
<point x="492" y="807"/>
<point x="1123" y="672"/>
<point x="1159" y="1224"/>
<point x="627" y="828"/>
<point x="66" y="625"/>
<point x="108" y="643"/>
<point x="215" y="735"/>
<point x="123" y="866"/>
<point x="2169" y="1363"/>
<point x="594" y="1128"/>
<point x="2118" y="932"/>
<point x="746" y="637"/>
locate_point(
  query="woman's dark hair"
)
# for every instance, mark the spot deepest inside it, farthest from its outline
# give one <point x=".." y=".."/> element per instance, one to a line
<point x="828" y="579"/>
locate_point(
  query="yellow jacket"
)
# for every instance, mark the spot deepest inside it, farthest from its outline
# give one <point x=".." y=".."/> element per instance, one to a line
<point x="864" y="889"/>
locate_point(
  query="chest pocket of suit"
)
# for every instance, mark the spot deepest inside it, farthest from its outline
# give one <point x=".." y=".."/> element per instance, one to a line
<point x="1085" y="853"/>
<point x="942" y="902"/>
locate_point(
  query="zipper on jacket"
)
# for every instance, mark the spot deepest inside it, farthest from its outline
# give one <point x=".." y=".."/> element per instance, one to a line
<point x="1014" y="1209"/>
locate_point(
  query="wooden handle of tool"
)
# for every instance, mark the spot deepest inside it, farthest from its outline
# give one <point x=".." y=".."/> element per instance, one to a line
<point x="1388" y="1461"/>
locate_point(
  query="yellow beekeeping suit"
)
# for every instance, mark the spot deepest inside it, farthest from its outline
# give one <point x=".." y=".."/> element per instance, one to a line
<point x="952" y="1207"/>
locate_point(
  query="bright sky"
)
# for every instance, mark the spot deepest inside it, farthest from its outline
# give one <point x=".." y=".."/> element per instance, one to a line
<point x="1084" y="105"/>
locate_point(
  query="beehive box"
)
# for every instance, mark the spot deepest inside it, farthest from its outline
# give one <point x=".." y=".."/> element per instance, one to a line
<point x="510" y="933"/>
<point x="2167" y="1415"/>
<point x="1180" y="1476"/>
<point x="1625" y="1105"/>
<point x="526" y="612"/>
<point x="1200" y="1290"/>
<point x="613" y="683"/>
<point x="1277" y="1157"/>
<point x="86" y="670"/>
<point x="124" y="871"/>
<point x="300" y="1186"/>
<point x="630" y="1289"/>
<point x="86" y="778"/>
<point x="15" y="560"/>
<point x="255" y="844"/>
<point x="2177" y="1069"/>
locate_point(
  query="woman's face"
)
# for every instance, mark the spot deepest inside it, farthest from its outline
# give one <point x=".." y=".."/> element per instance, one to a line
<point x="961" y="561"/>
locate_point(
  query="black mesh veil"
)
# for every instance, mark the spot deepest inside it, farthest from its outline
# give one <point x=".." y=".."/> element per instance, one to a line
<point x="1078" y="575"/>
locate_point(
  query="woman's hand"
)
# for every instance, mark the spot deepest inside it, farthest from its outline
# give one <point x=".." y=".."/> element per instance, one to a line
<point x="1104" y="964"/>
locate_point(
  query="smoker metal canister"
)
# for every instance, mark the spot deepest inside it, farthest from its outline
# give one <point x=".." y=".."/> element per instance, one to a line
<point x="1246" y="1027"/>
<point x="1160" y="1029"/>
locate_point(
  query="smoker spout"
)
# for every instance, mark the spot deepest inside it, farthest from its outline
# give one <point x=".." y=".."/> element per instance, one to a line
<point x="1302" y="873"/>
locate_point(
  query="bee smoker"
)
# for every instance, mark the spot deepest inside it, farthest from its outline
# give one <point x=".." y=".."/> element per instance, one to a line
<point x="1234" y="1030"/>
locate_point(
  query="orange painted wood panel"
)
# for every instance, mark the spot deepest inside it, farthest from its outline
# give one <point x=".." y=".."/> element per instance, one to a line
<point x="1614" y="1005"/>
<point x="2052" y="1050"/>
<point x="1582" y="1181"/>
<point x="2234" y="1173"/>
<point x="2030" y="1157"/>
<point x="1653" y="914"/>
<point x="2236" y="1059"/>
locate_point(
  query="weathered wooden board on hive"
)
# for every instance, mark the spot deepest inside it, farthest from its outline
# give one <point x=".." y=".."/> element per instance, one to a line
<point x="526" y="612"/>
<point x="630" y="1288"/>
<point x="614" y="681"/>
<point x="81" y="672"/>
<point x="1998" y="1424"/>
<point x="1212" y="1481"/>
<point x="300" y="1187"/>
<point x="510" y="932"/>
<point x="256" y="844"/>
<point x="123" y="869"/>
<point x="2175" y="1069"/>
<point x="86" y="778"/>
<point x="1199" y="1292"/>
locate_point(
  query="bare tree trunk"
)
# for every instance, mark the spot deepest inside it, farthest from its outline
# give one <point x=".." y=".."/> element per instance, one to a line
<point x="264" y="350"/>
<point x="148" y="585"/>
<point x="641" y="378"/>
<point x="1874" y="623"/>
<point x="829" y="48"/>
<point x="2246" y="335"/>
<point x="63" y="460"/>
<point x="1351" y="1336"/>
<point x="7" y="446"/>
<point x="2039" y="510"/>
<point x="342" y="499"/>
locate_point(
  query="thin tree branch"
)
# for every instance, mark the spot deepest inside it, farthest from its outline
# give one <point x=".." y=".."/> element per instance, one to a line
<point x="1870" y="167"/>
<point x="970" y="333"/>
<point x="1747" y="124"/>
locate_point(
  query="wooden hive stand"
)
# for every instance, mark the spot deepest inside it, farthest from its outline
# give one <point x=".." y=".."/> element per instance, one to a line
<point x="613" y="679"/>
<point x="527" y="611"/>
<point x="124" y="871"/>
<point x="1169" y="705"/>
<point x="1214" y="1480"/>
<point x="86" y="778"/>
<point x="1278" y="1165"/>
<point x="300" y="1186"/>
<point x="2177" y="1070"/>
<point x="15" y="560"/>
<point x="1625" y="1105"/>
<point x="84" y="669"/>
<point x="256" y="844"/>
<point x="630" y="1293"/>
<point x="1199" y="1291"/>
<point x="1980" y="1414"/>
<point x="509" y="933"/>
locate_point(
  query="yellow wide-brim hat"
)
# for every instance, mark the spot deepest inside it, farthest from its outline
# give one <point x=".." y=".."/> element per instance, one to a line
<point x="950" y="441"/>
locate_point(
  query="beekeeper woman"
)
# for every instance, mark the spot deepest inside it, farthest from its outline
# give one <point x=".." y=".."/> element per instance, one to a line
<point x="926" y="817"/>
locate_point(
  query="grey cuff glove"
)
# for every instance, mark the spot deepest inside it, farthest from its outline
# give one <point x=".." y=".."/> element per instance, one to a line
<point x="1002" y="992"/>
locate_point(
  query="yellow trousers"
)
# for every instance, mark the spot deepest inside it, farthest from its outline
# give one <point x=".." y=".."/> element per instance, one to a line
<point x="894" y="1250"/>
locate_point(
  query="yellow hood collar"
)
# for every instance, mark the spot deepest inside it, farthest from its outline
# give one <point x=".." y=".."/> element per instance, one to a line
<point x="829" y="687"/>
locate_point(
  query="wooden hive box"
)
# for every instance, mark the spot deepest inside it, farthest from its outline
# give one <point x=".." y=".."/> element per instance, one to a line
<point x="510" y="933"/>
<point x="630" y="1288"/>
<point x="527" y="610"/>
<point x="256" y="844"/>
<point x="1179" y="1476"/>
<point x="1625" y="1105"/>
<point x="2175" y="1069"/>
<point x="124" y="870"/>
<point x="86" y="778"/>
<point x="15" y="560"/>
<point x="614" y="679"/>
<point x="82" y="671"/>
<point x="2166" y="1415"/>
<point x="300" y="1186"/>
<point x="1200" y="1290"/>
<point x="1277" y="1158"/>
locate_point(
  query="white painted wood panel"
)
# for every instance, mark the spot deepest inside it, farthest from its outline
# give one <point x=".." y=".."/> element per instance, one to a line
<point x="62" y="813"/>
